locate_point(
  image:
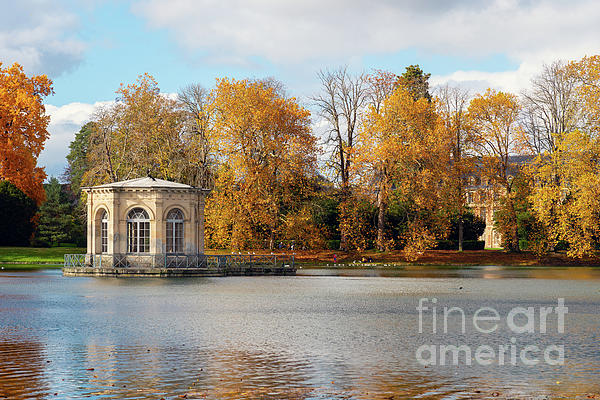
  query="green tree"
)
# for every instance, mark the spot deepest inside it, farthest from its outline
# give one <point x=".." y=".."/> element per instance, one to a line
<point x="325" y="211"/>
<point x="55" y="217"/>
<point x="77" y="166"/>
<point x="473" y="226"/>
<point x="416" y="82"/>
<point x="77" y="157"/>
<point x="17" y="216"/>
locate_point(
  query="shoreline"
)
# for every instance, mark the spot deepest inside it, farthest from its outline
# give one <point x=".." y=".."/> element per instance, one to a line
<point x="351" y="266"/>
<point x="443" y="258"/>
<point x="408" y="267"/>
<point x="37" y="258"/>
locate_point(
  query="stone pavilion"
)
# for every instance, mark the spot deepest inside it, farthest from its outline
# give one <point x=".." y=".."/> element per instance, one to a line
<point x="143" y="217"/>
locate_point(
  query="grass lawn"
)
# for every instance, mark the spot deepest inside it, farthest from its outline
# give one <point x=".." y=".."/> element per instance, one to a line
<point x="28" y="267"/>
<point x="35" y="255"/>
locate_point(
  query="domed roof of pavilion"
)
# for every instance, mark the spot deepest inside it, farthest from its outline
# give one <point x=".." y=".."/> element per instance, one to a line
<point x="146" y="182"/>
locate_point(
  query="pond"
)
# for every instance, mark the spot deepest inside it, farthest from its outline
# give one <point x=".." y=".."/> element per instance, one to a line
<point x="324" y="334"/>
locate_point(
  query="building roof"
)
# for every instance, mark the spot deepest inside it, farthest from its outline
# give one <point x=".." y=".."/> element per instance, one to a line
<point x="146" y="182"/>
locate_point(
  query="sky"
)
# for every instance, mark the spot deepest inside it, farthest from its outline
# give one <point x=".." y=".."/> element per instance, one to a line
<point x="89" y="47"/>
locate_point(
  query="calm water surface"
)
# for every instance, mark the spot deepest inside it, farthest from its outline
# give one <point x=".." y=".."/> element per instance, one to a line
<point x="325" y="334"/>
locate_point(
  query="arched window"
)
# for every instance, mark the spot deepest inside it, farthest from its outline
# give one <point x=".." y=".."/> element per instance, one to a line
<point x="175" y="231"/>
<point x="104" y="232"/>
<point x="138" y="231"/>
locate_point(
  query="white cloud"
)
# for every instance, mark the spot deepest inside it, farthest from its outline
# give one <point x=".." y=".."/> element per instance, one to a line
<point x="40" y="35"/>
<point x="300" y="32"/>
<point x="477" y="81"/>
<point x="65" y="122"/>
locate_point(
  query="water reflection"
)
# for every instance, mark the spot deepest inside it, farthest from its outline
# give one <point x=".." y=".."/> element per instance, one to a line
<point x="22" y="367"/>
<point x="485" y="272"/>
<point x="306" y="337"/>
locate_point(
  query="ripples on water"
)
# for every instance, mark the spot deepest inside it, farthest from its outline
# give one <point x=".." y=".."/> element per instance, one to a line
<point x="315" y="337"/>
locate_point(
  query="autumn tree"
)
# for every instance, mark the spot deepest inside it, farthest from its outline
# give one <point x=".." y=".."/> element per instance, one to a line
<point x="569" y="207"/>
<point x="341" y="104"/>
<point x="23" y="129"/>
<point x="267" y="158"/>
<point x="402" y="151"/>
<point x="200" y="167"/>
<point x="145" y="132"/>
<point x="550" y="108"/>
<point x="452" y="103"/>
<point x="587" y="74"/>
<point x="381" y="85"/>
<point x="565" y="195"/>
<point x="358" y="220"/>
<point x="493" y="118"/>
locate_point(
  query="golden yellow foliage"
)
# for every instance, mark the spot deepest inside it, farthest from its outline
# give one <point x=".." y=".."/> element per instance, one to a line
<point x="300" y="228"/>
<point x="355" y="221"/>
<point x="139" y="135"/>
<point x="268" y="154"/>
<point x="402" y="149"/>
<point x="566" y="197"/>
<point x="587" y="71"/>
<point x="493" y="118"/>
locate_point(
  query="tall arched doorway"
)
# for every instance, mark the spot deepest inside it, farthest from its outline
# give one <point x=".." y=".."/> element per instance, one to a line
<point x="138" y="231"/>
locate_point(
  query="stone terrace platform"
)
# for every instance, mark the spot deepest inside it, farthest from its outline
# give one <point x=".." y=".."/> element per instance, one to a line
<point x="161" y="265"/>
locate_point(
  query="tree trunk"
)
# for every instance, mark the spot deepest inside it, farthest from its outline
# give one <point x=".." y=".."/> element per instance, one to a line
<point x="343" y="233"/>
<point x="343" y="241"/>
<point x="461" y="227"/>
<point x="381" y="224"/>
<point x="514" y="230"/>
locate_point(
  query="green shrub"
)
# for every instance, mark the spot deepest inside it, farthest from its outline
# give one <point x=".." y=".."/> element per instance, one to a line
<point x="447" y="245"/>
<point x="562" y="245"/>
<point x="467" y="245"/>
<point x="333" y="244"/>
<point x="16" y="215"/>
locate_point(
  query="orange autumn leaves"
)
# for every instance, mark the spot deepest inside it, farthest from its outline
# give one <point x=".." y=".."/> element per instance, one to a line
<point x="23" y="129"/>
